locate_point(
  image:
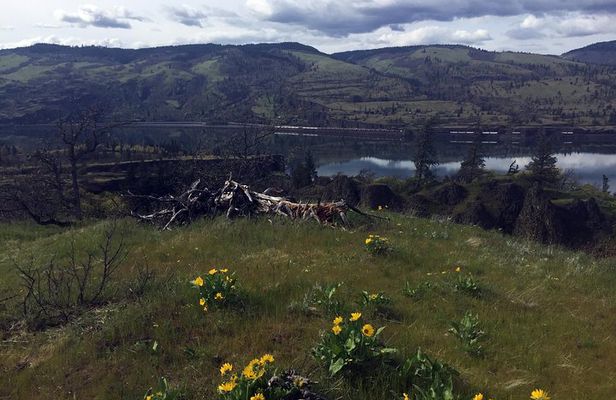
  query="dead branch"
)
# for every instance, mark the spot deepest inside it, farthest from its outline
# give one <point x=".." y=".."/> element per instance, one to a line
<point x="236" y="200"/>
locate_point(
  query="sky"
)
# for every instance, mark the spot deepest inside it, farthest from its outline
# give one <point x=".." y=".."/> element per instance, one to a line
<point x="538" y="26"/>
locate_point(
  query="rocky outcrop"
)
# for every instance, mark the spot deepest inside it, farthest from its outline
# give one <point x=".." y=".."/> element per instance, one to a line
<point x="584" y="222"/>
<point x="450" y="194"/>
<point x="379" y="194"/>
<point x="342" y="188"/>
<point x="508" y="202"/>
<point x="539" y="219"/>
<point x="475" y="214"/>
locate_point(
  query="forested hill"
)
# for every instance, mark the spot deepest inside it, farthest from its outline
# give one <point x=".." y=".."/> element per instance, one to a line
<point x="291" y="83"/>
<point x="597" y="53"/>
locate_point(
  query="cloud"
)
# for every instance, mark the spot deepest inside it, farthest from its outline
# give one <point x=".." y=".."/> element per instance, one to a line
<point x="7" y="28"/>
<point x="89" y="15"/>
<point x="525" y="33"/>
<point x="434" y="35"/>
<point x="344" y="17"/>
<point x="187" y="15"/>
<point x="586" y="25"/>
<point x="564" y="25"/>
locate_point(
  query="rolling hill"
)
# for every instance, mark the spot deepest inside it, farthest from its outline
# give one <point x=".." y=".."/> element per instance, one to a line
<point x="597" y="53"/>
<point x="296" y="84"/>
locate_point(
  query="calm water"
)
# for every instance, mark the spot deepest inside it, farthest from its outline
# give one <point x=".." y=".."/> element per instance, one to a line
<point x="588" y="156"/>
<point x="587" y="167"/>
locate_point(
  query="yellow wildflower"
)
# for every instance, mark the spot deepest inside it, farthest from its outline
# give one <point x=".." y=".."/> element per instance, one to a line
<point x="252" y="370"/>
<point x="219" y="296"/>
<point x="148" y="397"/>
<point x="373" y="296"/>
<point x="458" y="269"/>
<point x="368" y="241"/>
<point x="338" y="320"/>
<point x="202" y="301"/>
<point x="405" y="396"/>
<point x="226" y="387"/>
<point x="198" y="281"/>
<point x="539" y="394"/>
<point x="258" y="396"/>
<point x="213" y="271"/>
<point x="266" y="358"/>
<point x="355" y="316"/>
<point x="367" y="330"/>
<point x="226" y="367"/>
<point x="224" y="270"/>
<point x="478" y="396"/>
<point x="336" y="329"/>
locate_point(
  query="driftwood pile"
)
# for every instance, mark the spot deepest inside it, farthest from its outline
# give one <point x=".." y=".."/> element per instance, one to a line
<point x="235" y="200"/>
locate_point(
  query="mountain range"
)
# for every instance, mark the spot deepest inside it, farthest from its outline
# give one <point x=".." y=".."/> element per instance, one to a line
<point x="291" y="83"/>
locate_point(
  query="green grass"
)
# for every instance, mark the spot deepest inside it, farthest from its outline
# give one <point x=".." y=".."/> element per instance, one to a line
<point x="11" y="61"/>
<point x="547" y="313"/>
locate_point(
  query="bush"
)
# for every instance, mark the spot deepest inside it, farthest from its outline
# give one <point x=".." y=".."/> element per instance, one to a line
<point x="468" y="285"/>
<point x="320" y="298"/>
<point x="163" y="392"/>
<point x="429" y="379"/>
<point x="350" y="345"/>
<point x="217" y="289"/>
<point x="377" y="245"/>
<point x="468" y="333"/>
<point x="259" y="381"/>
<point x="374" y="299"/>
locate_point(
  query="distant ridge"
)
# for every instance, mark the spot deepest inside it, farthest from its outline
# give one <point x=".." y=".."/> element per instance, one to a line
<point x="597" y="53"/>
<point x="295" y="84"/>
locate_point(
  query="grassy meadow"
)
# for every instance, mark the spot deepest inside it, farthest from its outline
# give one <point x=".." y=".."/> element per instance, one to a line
<point x="547" y="313"/>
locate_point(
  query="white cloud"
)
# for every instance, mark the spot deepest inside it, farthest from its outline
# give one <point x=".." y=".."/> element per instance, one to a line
<point x="434" y="35"/>
<point x="531" y="22"/>
<point x="261" y="7"/>
<point x="585" y="25"/>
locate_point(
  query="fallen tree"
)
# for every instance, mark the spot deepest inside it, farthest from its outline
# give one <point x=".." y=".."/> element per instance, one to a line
<point x="234" y="200"/>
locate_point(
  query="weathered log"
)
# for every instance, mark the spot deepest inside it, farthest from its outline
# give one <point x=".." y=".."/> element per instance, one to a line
<point x="236" y="200"/>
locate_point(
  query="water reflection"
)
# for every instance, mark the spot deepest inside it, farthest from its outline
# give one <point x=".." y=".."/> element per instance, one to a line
<point x="587" y="167"/>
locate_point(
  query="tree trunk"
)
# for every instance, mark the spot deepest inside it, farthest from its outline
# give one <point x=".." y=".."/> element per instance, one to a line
<point x="75" y="187"/>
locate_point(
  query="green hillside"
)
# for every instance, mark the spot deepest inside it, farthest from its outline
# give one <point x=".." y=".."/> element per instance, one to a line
<point x="545" y="312"/>
<point x="295" y="84"/>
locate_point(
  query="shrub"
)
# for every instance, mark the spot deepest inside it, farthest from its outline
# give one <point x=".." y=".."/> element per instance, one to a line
<point x="374" y="299"/>
<point x="419" y="291"/>
<point x="429" y="379"/>
<point x="377" y="245"/>
<point x="216" y="289"/>
<point x="469" y="333"/>
<point x="468" y="285"/>
<point x="350" y="345"/>
<point x="321" y="298"/>
<point x="259" y="381"/>
<point x="57" y="292"/>
<point x="163" y="392"/>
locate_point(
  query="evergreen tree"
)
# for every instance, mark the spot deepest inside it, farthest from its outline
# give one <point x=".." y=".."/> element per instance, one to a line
<point x="473" y="166"/>
<point x="542" y="166"/>
<point x="425" y="155"/>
